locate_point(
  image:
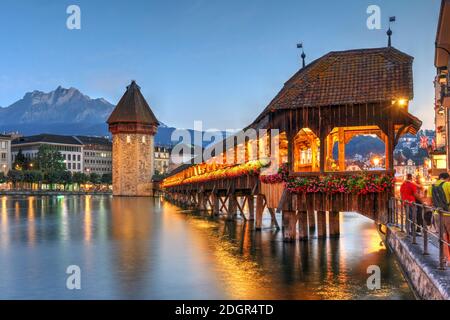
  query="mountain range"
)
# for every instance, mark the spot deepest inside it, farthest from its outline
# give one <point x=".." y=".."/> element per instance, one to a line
<point x="63" y="111"/>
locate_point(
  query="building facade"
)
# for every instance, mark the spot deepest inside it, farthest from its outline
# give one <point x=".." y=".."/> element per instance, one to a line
<point x="70" y="148"/>
<point x="133" y="126"/>
<point x="5" y="153"/>
<point x="440" y="156"/>
<point x="162" y="159"/>
<point x="97" y="154"/>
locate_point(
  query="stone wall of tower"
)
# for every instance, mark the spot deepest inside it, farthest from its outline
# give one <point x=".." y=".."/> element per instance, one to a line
<point x="133" y="160"/>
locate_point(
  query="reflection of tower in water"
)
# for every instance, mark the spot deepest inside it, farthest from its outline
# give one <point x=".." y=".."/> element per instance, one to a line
<point x="131" y="228"/>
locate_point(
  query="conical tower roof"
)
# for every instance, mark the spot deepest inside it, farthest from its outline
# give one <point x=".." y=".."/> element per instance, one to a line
<point x="132" y="108"/>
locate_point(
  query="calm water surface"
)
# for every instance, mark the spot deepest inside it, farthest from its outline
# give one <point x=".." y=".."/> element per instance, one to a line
<point x="145" y="248"/>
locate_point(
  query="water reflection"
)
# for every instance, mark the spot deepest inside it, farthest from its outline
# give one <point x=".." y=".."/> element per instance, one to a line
<point x="144" y="248"/>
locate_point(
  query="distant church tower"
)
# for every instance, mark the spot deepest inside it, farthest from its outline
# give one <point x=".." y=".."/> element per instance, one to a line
<point x="133" y="126"/>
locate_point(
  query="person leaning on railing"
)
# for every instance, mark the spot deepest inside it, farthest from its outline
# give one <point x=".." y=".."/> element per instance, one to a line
<point x="440" y="196"/>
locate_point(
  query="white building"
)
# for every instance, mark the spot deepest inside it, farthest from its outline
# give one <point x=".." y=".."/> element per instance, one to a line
<point x="70" y="147"/>
<point x="5" y="153"/>
<point x="97" y="154"/>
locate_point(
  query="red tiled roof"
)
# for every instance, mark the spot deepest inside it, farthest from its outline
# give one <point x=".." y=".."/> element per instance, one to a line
<point x="348" y="77"/>
<point x="132" y="107"/>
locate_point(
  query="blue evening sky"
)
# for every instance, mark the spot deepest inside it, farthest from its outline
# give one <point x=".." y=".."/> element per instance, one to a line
<point x="220" y="61"/>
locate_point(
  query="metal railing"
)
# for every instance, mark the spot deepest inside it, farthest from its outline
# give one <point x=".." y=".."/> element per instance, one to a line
<point x="413" y="218"/>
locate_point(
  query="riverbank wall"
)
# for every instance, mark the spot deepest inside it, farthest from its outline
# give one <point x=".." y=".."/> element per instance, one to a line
<point x="422" y="271"/>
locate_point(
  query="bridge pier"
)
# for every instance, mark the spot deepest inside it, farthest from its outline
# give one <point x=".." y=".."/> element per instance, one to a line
<point x="321" y="224"/>
<point x="274" y="221"/>
<point x="251" y="207"/>
<point x="303" y="225"/>
<point x="232" y="207"/>
<point x="334" y="224"/>
<point x="259" y="211"/>
<point x="312" y="221"/>
<point x="290" y="231"/>
<point x="215" y="210"/>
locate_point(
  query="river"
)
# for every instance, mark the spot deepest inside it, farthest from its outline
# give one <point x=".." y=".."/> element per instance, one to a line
<point x="146" y="248"/>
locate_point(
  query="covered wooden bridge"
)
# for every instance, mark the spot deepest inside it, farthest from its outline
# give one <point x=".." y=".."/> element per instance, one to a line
<point x="290" y="164"/>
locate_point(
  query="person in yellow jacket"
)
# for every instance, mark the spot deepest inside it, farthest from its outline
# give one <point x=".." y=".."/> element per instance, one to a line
<point x="444" y="183"/>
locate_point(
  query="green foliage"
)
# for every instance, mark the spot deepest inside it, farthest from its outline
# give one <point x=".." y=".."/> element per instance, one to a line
<point x="20" y="162"/>
<point x="107" y="178"/>
<point x="3" y="178"/>
<point x="79" y="178"/>
<point x="66" y="177"/>
<point x="49" y="160"/>
<point x="32" y="176"/>
<point x="95" y="178"/>
<point x="15" y="176"/>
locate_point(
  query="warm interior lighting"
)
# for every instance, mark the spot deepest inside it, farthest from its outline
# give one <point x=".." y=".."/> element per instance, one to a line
<point x="441" y="110"/>
<point x="376" y="161"/>
<point x="440" y="161"/>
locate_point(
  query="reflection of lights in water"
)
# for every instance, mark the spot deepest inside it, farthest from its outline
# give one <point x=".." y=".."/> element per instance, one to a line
<point x="4" y="223"/>
<point x="87" y="219"/>
<point x="31" y="222"/>
<point x="64" y="219"/>
<point x="243" y="278"/>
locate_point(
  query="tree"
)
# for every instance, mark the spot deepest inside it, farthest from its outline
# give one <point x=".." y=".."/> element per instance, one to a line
<point x="2" y="177"/>
<point x="52" y="178"/>
<point x="49" y="159"/>
<point x="79" y="178"/>
<point x="107" y="178"/>
<point x="31" y="177"/>
<point x="94" y="178"/>
<point x="66" y="178"/>
<point x="20" y="162"/>
<point x="15" y="177"/>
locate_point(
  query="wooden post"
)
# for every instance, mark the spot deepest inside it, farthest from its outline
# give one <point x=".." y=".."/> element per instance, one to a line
<point x="341" y="149"/>
<point x="216" y="204"/>
<point x="321" y="224"/>
<point x="290" y="231"/>
<point x="284" y="220"/>
<point x="251" y="207"/>
<point x="334" y="224"/>
<point x="303" y="225"/>
<point x="232" y="207"/>
<point x="274" y="221"/>
<point x="312" y="221"/>
<point x="259" y="211"/>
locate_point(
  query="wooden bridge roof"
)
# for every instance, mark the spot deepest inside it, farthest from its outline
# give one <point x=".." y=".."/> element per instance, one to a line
<point x="348" y="77"/>
<point x="133" y="108"/>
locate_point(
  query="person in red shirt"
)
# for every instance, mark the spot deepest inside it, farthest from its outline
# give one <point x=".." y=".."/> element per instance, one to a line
<point x="408" y="189"/>
<point x="408" y="192"/>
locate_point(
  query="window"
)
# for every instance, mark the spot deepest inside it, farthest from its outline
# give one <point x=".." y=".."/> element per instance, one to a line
<point x="128" y="139"/>
<point x="69" y="157"/>
<point x="3" y="145"/>
<point x="69" y="166"/>
<point x="3" y="156"/>
<point x="144" y="140"/>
